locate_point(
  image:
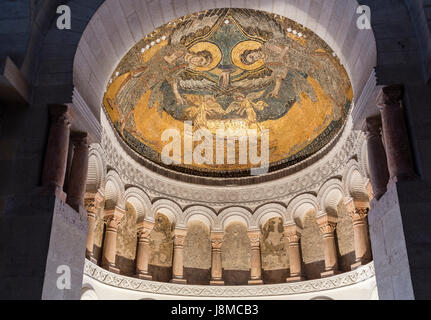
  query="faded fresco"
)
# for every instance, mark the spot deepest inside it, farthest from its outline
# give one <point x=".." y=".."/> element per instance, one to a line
<point x="274" y="246"/>
<point x="230" y="69"/>
<point x="235" y="250"/>
<point x="126" y="242"/>
<point x="197" y="246"/>
<point x="161" y="242"/>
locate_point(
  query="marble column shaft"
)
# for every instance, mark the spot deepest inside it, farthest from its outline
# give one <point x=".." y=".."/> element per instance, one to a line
<point x="143" y="251"/>
<point x="293" y="235"/>
<point x="327" y="225"/>
<point x="78" y="173"/>
<point x="54" y="168"/>
<point x="178" y="259"/>
<point x="216" y="265"/>
<point x="93" y="203"/>
<point x="379" y="174"/>
<point x="398" y="153"/>
<point x="255" y="258"/>
<point x="112" y="219"/>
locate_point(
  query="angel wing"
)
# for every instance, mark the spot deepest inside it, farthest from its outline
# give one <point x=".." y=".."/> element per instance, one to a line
<point x="191" y="112"/>
<point x="255" y="95"/>
<point x="260" y="105"/>
<point x="214" y="108"/>
<point x="235" y="107"/>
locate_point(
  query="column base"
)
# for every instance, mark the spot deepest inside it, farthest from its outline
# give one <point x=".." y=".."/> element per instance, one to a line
<point x="111" y="268"/>
<point x="358" y="264"/>
<point x="255" y="282"/>
<point x="179" y="281"/>
<point x="216" y="283"/>
<point x="92" y="259"/>
<point x="144" y="276"/>
<point x="329" y="273"/>
<point x="295" y="279"/>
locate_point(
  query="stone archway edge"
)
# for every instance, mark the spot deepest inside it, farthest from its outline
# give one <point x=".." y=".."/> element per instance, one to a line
<point x="361" y="274"/>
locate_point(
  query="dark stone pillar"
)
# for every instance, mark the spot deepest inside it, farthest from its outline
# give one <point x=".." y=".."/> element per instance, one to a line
<point x="376" y="157"/>
<point x="397" y="144"/>
<point x="78" y="172"/>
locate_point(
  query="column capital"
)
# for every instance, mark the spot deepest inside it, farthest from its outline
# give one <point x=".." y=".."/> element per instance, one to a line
<point x="359" y="214"/>
<point x="60" y="114"/>
<point x="254" y="237"/>
<point x="179" y="236"/>
<point x="79" y="139"/>
<point x="293" y="233"/>
<point x="144" y="229"/>
<point x="216" y="239"/>
<point x="327" y="223"/>
<point x="93" y="201"/>
<point x="113" y="217"/>
<point x="390" y="95"/>
<point x="373" y="126"/>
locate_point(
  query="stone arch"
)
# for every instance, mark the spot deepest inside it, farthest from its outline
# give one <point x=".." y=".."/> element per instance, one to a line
<point x="353" y="182"/>
<point x="96" y="170"/>
<point x="234" y="214"/>
<point x="202" y="214"/>
<point x="329" y="196"/>
<point x="141" y="202"/>
<point x="103" y="44"/>
<point x="267" y="212"/>
<point x="363" y="160"/>
<point x="299" y="206"/>
<point x="170" y="209"/>
<point x="114" y="191"/>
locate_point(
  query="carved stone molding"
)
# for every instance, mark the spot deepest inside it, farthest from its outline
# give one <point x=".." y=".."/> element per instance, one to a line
<point x="282" y="190"/>
<point x="361" y="274"/>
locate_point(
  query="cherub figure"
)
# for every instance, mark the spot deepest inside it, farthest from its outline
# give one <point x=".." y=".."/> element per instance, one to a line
<point x="245" y="105"/>
<point x="203" y="107"/>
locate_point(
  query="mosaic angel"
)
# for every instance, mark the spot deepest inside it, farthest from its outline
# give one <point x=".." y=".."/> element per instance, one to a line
<point x="246" y="105"/>
<point x="203" y="107"/>
<point x="166" y="65"/>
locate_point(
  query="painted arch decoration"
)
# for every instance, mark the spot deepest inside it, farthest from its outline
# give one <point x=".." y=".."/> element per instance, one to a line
<point x="230" y="68"/>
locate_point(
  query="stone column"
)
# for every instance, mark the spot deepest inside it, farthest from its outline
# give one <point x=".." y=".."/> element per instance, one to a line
<point x="293" y="234"/>
<point x="143" y="251"/>
<point x="93" y="204"/>
<point x="112" y="219"/>
<point x="376" y="157"/>
<point x="78" y="172"/>
<point x="255" y="259"/>
<point x="177" y="264"/>
<point x="216" y="266"/>
<point x="398" y="153"/>
<point x="327" y="225"/>
<point x="54" y="168"/>
<point x="358" y="212"/>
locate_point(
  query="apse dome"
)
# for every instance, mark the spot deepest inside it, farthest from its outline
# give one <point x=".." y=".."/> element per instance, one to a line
<point x="221" y="92"/>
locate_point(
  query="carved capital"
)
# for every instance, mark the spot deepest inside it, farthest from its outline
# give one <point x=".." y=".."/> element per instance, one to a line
<point x="327" y="224"/>
<point x="373" y="127"/>
<point x="358" y="214"/>
<point x="216" y="240"/>
<point x="254" y="239"/>
<point x="144" y="234"/>
<point x="113" y="218"/>
<point x="93" y="202"/>
<point x="292" y="233"/>
<point x="179" y="236"/>
<point x="390" y="96"/>
<point x="79" y="140"/>
<point x="60" y="114"/>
